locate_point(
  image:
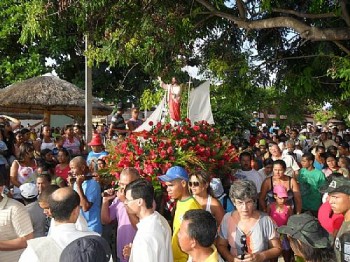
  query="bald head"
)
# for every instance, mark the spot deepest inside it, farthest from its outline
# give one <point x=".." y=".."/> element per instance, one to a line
<point x="127" y="176"/>
<point x="62" y="203"/>
<point x="78" y="166"/>
<point x="79" y="160"/>
<point x="132" y="172"/>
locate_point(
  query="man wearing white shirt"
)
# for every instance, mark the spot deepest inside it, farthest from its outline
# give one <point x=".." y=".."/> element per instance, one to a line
<point x="292" y="165"/>
<point x="64" y="206"/>
<point x="246" y="172"/>
<point x="152" y="241"/>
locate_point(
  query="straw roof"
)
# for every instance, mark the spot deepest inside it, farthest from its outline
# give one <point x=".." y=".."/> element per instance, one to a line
<point x="48" y="93"/>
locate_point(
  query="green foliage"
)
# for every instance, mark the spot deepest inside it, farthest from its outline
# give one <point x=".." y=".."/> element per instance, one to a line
<point x="149" y="98"/>
<point x="131" y="42"/>
<point x="324" y="115"/>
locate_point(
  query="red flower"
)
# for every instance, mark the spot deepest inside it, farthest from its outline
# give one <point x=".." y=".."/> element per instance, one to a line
<point x="150" y="123"/>
<point x="196" y="128"/>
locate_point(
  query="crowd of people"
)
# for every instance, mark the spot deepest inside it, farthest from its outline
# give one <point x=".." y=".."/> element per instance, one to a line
<point x="290" y="198"/>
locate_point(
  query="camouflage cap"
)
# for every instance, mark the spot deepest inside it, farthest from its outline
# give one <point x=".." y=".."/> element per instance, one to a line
<point x="337" y="185"/>
<point x="307" y="229"/>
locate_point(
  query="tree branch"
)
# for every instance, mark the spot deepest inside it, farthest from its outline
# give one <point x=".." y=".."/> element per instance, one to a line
<point x="303" y="15"/>
<point x="241" y="9"/>
<point x="306" y="31"/>
<point x="344" y="12"/>
<point x="342" y="47"/>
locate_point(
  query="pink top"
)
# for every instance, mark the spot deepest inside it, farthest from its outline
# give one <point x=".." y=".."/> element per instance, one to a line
<point x="280" y="218"/>
<point x="73" y="147"/>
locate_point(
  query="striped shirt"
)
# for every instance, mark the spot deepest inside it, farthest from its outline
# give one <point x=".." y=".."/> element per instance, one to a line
<point x="14" y="223"/>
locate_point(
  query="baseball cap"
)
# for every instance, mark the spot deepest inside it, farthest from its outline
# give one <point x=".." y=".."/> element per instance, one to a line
<point x="280" y="191"/>
<point x="175" y="172"/>
<point x="216" y="186"/>
<point x="87" y="249"/>
<point x="307" y="229"/>
<point x="344" y="144"/>
<point x="337" y="185"/>
<point x="29" y="190"/>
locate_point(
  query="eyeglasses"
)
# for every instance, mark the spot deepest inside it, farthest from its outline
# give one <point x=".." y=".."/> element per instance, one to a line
<point x="246" y="203"/>
<point x="193" y="184"/>
<point x="244" y="247"/>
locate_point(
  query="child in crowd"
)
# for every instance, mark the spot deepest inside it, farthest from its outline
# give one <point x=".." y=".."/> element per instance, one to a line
<point x="62" y="168"/>
<point x="58" y="145"/>
<point x="279" y="211"/>
<point x="55" y="180"/>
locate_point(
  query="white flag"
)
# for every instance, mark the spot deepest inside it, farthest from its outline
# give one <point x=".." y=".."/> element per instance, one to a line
<point x="155" y="117"/>
<point x="199" y="104"/>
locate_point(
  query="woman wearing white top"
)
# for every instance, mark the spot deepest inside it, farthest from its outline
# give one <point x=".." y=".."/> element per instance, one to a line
<point x="199" y="184"/>
<point x="45" y="141"/>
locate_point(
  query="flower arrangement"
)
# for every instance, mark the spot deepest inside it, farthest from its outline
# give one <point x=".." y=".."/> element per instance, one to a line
<point x="152" y="153"/>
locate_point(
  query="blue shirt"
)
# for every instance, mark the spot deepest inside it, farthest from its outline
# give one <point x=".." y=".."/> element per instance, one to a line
<point x="92" y="156"/>
<point x="318" y="165"/>
<point x="92" y="191"/>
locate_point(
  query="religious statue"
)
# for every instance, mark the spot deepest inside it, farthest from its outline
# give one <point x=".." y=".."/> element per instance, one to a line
<point x="173" y="98"/>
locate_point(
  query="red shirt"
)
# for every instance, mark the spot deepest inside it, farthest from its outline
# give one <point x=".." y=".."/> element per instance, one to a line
<point x="62" y="172"/>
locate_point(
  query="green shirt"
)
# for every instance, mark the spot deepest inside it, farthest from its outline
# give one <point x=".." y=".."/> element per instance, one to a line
<point x="310" y="182"/>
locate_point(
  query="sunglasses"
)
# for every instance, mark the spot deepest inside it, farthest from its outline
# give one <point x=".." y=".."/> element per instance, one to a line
<point x="244" y="247"/>
<point x="193" y="184"/>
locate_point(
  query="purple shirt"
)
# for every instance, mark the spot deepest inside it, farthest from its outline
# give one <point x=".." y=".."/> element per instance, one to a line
<point x="125" y="231"/>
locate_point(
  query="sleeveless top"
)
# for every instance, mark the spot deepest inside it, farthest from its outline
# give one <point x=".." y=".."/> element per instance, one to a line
<point x="44" y="145"/>
<point x="271" y="199"/>
<point x="26" y="174"/>
<point x="207" y="208"/>
<point x="280" y="218"/>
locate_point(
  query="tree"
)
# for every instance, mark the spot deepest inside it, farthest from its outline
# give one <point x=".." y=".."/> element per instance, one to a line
<point x="287" y="47"/>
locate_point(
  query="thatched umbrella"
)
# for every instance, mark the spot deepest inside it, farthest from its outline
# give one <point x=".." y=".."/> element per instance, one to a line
<point x="47" y="94"/>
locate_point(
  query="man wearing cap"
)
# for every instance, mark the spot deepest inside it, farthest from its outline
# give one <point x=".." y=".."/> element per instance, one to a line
<point x="29" y="194"/>
<point x="307" y="238"/>
<point x="339" y="198"/>
<point x="176" y="180"/>
<point x="87" y="249"/>
<point x="118" y="125"/>
<point x="96" y="152"/>
<point x="15" y="227"/>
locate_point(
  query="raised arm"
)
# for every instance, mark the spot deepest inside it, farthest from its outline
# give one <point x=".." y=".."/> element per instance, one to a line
<point x="15" y="122"/>
<point x="162" y="84"/>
